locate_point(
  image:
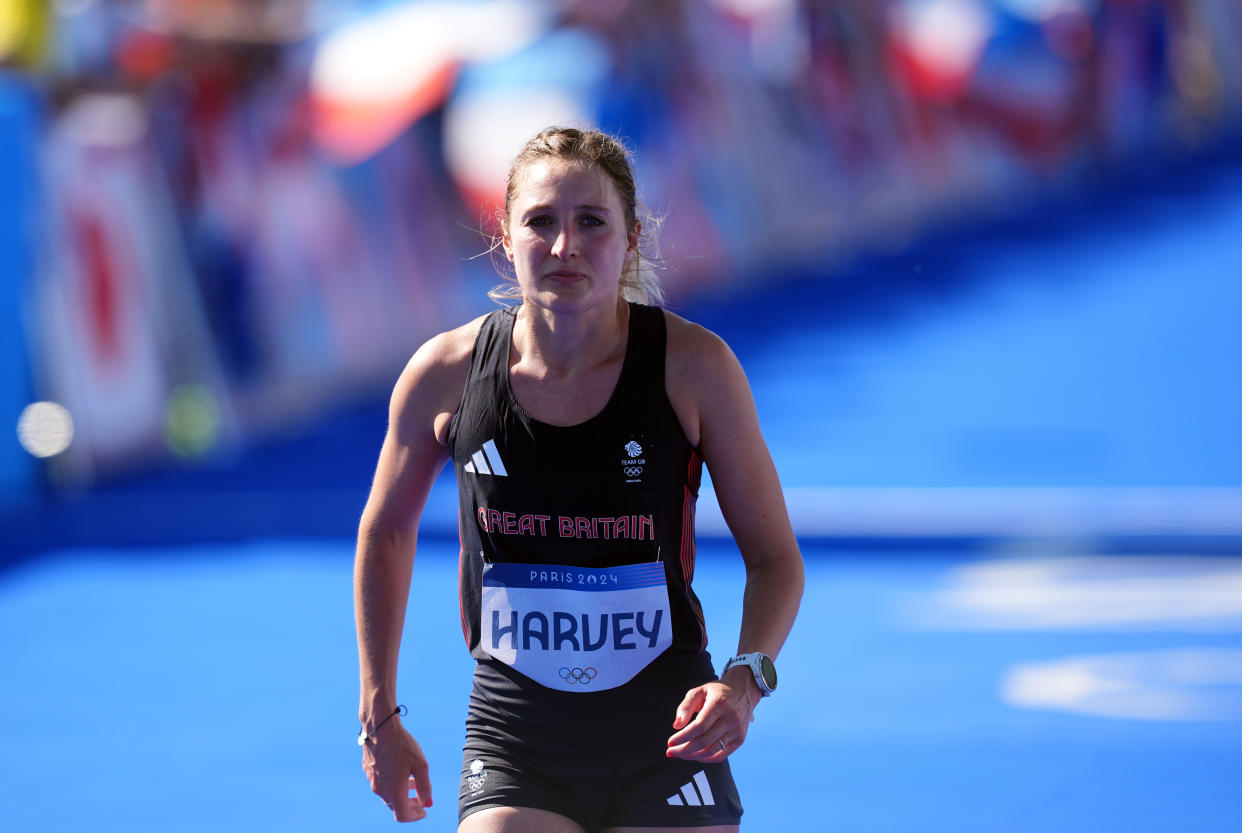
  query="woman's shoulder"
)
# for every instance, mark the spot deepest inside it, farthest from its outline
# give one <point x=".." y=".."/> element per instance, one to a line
<point x="436" y="374"/>
<point x="694" y="351"/>
<point x="701" y="375"/>
<point x="450" y="349"/>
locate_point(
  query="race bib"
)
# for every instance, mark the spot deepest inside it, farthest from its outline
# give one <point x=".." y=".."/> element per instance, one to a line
<point x="576" y="628"/>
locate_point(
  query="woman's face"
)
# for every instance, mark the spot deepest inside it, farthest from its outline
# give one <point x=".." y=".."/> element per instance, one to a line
<point x="566" y="235"/>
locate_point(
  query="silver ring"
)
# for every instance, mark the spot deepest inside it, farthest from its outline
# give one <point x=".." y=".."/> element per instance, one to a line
<point x="722" y="746"/>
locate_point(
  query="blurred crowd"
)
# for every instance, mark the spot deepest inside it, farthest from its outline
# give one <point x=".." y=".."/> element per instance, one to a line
<point x="229" y="216"/>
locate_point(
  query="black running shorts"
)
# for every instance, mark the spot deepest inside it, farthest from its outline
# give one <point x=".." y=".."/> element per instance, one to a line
<point x="596" y="758"/>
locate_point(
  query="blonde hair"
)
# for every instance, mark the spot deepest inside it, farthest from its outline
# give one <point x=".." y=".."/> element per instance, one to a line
<point x="639" y="281"/>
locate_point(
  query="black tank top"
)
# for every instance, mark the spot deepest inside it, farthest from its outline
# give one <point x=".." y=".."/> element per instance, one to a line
<point x="619" y="488"/>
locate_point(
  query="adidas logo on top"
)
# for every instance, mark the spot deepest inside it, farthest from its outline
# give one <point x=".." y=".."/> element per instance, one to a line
<point x="696" y="793"/>
<point x="486" y="461"/>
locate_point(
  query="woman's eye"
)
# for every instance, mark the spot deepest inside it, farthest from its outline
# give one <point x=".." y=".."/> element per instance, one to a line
<point x="540" y="221"/>
<point x="592" y="221"/>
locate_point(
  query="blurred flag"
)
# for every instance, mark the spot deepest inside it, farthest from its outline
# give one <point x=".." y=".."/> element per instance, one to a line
<point x="115" y="323"/>
<point x="936" y="44"/>
<point x="499" y="105"/>
<point x="372" y="78"/>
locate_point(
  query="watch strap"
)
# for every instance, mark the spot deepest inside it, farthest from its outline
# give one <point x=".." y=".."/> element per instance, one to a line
<point x="753" y="661"/>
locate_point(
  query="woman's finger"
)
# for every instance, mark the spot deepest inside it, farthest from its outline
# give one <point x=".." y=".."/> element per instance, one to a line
<point x="690" y="704"/>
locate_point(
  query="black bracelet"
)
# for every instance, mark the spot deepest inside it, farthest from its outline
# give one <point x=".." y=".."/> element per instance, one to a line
<point x="364" y="736"/>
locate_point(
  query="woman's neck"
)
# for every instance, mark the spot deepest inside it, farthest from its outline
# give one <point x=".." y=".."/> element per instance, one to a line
<point x="564" y="344"/>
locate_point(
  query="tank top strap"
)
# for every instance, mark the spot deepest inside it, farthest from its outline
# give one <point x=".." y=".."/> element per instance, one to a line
<point x="643" y="372"/>
<point x="487" y="377"/>
<point x="491" y="345"/>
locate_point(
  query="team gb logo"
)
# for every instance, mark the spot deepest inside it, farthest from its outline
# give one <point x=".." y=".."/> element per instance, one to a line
<point x="633" y="464"/>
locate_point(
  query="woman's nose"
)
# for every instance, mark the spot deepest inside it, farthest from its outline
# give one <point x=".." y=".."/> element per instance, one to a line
<point x="565" y="243"/>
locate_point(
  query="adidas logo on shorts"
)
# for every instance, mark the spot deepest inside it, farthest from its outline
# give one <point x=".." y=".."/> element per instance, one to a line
<point x="695" y="793"/>
<point x="486" y="461"/>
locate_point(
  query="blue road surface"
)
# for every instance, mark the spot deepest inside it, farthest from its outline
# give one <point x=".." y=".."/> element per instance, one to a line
<point x="214" y="688"/>
<point x="1093" y="344"/>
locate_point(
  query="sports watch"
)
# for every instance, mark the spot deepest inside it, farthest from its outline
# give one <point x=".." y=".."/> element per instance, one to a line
<point x="761" y="666"/>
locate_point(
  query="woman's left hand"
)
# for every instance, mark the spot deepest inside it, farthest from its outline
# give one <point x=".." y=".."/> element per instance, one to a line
<point x="712" y="720"/>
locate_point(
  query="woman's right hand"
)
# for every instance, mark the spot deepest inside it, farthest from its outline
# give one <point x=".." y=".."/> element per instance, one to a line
<point x="395" y="766"/>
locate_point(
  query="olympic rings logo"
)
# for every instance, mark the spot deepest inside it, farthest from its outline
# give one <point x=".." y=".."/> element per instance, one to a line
<point x="633" y="471"/>
<point x="578" y="675"/>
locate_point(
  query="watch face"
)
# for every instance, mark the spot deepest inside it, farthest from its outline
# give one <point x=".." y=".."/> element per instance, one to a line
<point x="768" y="669"/>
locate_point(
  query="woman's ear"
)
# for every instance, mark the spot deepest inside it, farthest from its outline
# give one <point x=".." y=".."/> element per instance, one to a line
<point x="633" y="236"/>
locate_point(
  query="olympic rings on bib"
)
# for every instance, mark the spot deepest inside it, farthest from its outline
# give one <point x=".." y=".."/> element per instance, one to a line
<point x="578" y="675"/>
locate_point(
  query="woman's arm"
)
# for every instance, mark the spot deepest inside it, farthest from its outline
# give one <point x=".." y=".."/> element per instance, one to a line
<point x="423" y="401"/>
<point x="713" y="400"/>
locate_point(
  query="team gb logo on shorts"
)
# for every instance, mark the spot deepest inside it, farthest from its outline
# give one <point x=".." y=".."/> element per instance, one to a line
<point x="632" y="465"/>
<point x="477" y="779"/>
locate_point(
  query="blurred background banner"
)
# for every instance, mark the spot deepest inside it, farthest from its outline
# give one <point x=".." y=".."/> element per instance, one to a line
<point x="229" y="222"/>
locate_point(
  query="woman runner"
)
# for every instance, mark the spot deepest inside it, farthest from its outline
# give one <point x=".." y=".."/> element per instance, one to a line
<point x="578" y="421"/>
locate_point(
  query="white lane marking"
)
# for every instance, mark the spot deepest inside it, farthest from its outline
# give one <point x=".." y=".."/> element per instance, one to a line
<point x="1090" y="592"/>
<point x="1185" y="684"/>
<point x="1005" y="513"/>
